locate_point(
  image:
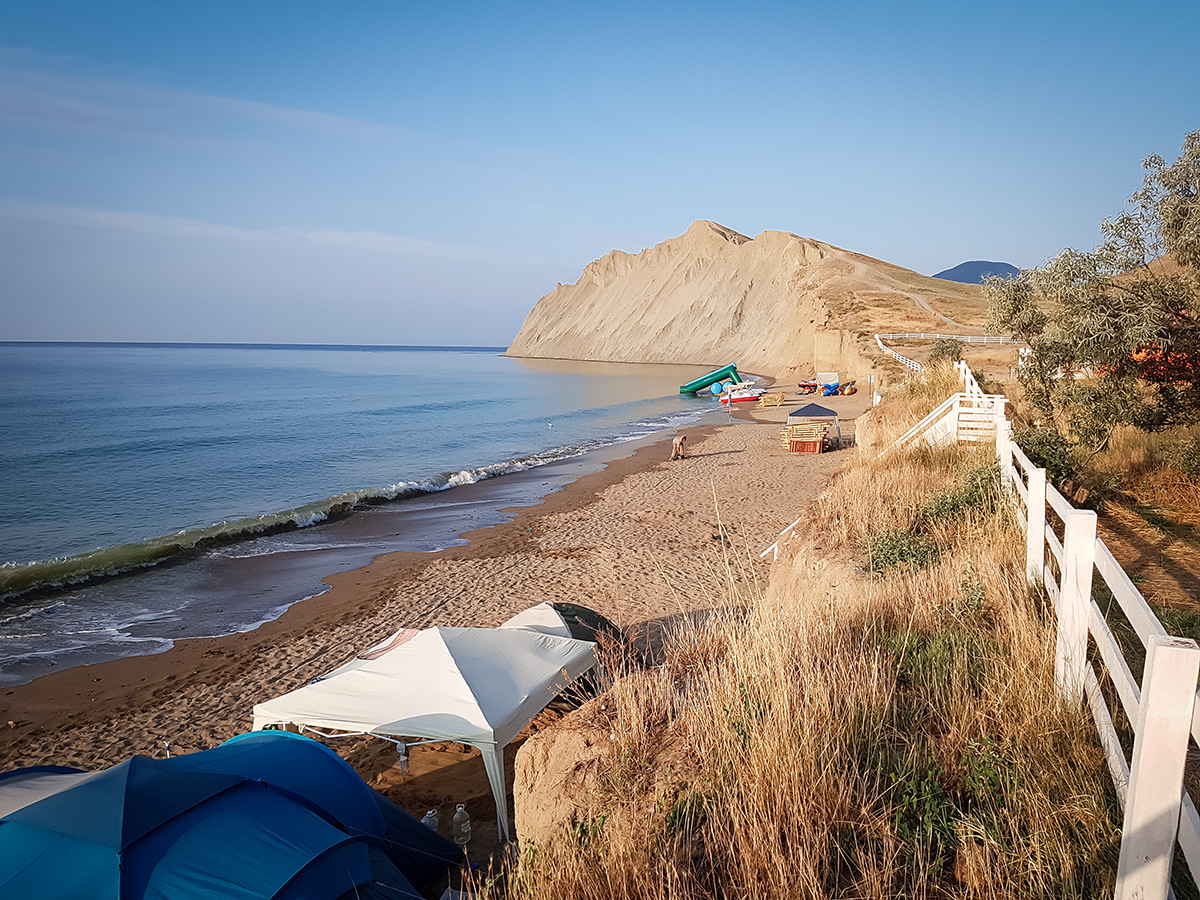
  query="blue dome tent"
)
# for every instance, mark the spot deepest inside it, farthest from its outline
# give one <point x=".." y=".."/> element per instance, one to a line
<point x="265" y="815"/>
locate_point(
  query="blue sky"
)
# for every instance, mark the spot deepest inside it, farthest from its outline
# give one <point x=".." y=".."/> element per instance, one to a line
<point x="403" y="173"/>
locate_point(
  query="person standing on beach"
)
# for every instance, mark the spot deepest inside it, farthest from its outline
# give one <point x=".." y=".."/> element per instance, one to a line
<point x="677" y="447"/>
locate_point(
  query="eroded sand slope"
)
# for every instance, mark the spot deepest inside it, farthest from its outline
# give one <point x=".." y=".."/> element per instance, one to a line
<point x="777" y="304"/>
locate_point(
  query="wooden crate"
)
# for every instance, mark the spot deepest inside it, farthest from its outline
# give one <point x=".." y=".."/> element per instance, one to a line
<point x="807" y="446"/>
<point x="809" y="437"/>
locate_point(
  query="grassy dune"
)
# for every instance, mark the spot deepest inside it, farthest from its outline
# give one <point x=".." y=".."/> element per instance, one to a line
<point x="880" y="722"/>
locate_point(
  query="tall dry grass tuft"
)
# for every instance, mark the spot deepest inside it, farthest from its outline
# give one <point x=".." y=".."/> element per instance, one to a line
<point x="1162" y="467"/>
<point x="865" y="728"/>
<point x="906" y="406"/>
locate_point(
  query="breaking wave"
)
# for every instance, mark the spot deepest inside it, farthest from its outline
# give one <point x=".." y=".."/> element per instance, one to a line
<point x="18" y="579"/>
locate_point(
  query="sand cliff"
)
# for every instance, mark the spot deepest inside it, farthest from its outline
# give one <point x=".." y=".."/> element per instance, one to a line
<point x="776" y="304"/>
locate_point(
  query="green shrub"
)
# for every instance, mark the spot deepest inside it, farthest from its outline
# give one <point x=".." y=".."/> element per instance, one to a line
<point x="969" y="602"/>
<point x="979" y="491"/>
<point x="1188" y="458"/>
<point x="946" y="350"/>
<point x="929" y="660"/>
<point x="888" y="549"/>
<point x="1049" y="450"/>
<point x="922" y="814"/>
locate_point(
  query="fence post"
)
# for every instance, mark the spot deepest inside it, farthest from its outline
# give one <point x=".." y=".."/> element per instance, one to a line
<point x="1004" y="451"/>
<point x="1035" y="527"/>
<point x="954" y="414"/>
<point x="1079" y="556"/>
<point x="1160" y="744"/>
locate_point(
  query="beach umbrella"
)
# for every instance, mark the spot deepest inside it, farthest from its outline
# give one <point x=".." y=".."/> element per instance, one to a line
<point x="194" y="827"/>
<point x="565" y="620"/>
<point x="477" y="686"/>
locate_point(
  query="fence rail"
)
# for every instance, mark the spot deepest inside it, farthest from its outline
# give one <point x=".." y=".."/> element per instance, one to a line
<point x="899" y="357"/>
<point x="1163" y="710"/>
<point x="911" y="335"/>
<point x="965" y="338"/>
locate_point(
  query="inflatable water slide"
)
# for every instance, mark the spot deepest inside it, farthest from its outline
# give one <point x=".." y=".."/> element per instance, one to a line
<point x="699" y="384"/>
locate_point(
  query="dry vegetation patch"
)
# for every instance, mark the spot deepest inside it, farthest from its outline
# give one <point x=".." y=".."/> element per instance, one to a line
<point x="863" y="728"/>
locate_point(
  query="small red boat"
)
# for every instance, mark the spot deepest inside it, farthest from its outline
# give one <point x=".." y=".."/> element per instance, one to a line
<point x="742" y="395"/>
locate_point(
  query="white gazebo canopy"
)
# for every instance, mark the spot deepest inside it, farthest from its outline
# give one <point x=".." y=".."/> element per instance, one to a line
<point x="477" y="686"/>
<point x="543" y="618"/>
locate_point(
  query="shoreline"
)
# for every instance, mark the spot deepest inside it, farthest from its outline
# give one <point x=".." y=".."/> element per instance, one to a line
<point x="633" y="541"/>
<point x="190" y="594"/>
<point x="59" y="698"/>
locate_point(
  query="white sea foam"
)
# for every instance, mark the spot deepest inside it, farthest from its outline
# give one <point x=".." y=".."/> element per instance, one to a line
<point x="201" y="473"/>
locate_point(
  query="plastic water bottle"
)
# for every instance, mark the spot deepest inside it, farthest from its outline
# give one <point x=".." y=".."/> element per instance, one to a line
<point x="461" y="826"/>
<point x="430" y="821"/>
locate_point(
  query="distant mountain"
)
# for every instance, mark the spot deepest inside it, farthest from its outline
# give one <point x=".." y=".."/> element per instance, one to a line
<point x="976" y="270"/>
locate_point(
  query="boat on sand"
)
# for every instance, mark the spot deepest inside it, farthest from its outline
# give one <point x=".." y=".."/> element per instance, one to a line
<point x="742" y="395"/>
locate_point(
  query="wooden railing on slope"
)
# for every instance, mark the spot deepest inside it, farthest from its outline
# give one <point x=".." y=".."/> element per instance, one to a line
<point x="899" y="357"/>
<point x="916" y="366"/>
<point x="1164" y="710"/>
<point x="970" y="416"/>
<point x="965" y="338"/>
<point x="970" y="386"/>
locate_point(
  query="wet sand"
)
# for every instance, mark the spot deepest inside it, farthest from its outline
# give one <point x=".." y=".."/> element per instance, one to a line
<point x="644" y="539"/>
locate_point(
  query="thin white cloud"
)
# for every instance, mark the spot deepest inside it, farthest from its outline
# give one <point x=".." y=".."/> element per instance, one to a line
<point x="378" y="240"/>
<point x="123" y="220"/>
<point x="114" y="220"/>
<point x="41" y="91"/>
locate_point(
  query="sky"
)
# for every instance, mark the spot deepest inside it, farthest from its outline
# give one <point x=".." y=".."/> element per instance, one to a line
<point x="413" y="173"/>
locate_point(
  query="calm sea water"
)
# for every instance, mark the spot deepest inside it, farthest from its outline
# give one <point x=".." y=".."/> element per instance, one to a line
<point x="138" y="481"/>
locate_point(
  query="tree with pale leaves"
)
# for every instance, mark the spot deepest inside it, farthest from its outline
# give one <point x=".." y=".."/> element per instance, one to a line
<point x="1114" y="333"/>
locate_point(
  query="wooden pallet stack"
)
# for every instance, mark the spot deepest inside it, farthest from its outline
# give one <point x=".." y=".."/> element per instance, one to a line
<point x="808" y="437"/>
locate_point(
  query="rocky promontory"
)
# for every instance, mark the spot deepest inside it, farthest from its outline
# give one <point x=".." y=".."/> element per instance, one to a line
<point x="778" y="304"/>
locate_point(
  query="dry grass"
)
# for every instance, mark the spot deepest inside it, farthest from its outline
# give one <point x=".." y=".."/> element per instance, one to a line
<point x="968" y="307"/>
<point x="905" y="408"/>
<point x="1152" y="468"/>
<point x="851" y="734"/>
<point x="1151" y="521"/>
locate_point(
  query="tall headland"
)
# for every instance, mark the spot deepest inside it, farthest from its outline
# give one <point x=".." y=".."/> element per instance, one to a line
<point x="777" y="304"/>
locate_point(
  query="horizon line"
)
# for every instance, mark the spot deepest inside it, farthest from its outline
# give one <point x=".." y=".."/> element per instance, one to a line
<point x="259" y="344"/>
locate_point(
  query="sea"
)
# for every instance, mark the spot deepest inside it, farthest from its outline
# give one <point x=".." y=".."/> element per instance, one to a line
<point x="153" y="492"/>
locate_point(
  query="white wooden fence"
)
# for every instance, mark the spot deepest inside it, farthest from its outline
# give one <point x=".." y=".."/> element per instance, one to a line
<point x="965" y="338"/>
<point x="1162" y="710"/>
<point x="899" y="357"/>
<point x="1063" y="557"/>
<point x="916" y="366"/>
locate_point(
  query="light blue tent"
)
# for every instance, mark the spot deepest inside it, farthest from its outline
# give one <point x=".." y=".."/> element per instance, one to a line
<point x="266" y="815"/>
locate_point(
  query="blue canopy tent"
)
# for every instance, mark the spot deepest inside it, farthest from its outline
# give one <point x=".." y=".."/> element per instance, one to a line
<point x="265" y="815"/>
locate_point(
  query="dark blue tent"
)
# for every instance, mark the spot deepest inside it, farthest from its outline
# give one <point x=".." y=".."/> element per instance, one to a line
<point x="816" y="411"/>
<point x="267" y="814"/>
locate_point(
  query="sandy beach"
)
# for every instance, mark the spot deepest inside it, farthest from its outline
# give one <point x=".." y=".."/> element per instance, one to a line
<point x="639" y="541"/>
